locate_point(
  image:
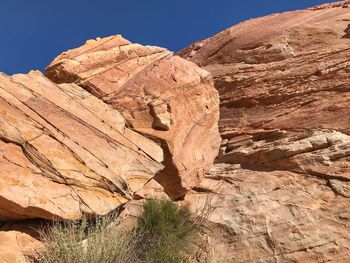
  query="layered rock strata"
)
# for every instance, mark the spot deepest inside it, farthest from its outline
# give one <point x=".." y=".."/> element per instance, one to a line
<point x="66" y="150"/>
<point x="283" y="171"/>
<point x="161" y="96"/>
<point x="65" y="153"/>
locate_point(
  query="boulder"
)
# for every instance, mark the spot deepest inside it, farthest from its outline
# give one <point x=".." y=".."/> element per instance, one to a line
<point x="65" y="153"/>
<point x="162" y="97"/>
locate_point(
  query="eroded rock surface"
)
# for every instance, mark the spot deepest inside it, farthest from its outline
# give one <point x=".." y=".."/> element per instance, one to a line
<point x="64" y="152"/>
<point x="164" y="97"/>
<point x="276" y="216"/>
<point x="267" y="93"/>
<point x="18" y="243"/>
<point x="284" y="84"/>
<point x="123" y="119"/>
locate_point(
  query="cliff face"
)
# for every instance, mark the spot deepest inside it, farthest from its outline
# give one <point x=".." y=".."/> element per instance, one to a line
<point x="282" y="174"/>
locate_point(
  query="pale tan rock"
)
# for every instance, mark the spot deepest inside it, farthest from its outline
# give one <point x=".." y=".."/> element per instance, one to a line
<point x="161" y="96"/>
<point x="152" y="190"/>
<point x="276" y="216"/>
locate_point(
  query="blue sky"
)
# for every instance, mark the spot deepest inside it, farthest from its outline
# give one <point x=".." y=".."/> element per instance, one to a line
<point x="33" y="32"/>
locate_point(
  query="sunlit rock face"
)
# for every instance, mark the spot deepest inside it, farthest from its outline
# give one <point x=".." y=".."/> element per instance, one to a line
<point x="283" y="171"/>
<point x="163" y="97"/>
<point x="65" y="153"/>
<point x="134" y="120"/>
<point x="113" y="122"/>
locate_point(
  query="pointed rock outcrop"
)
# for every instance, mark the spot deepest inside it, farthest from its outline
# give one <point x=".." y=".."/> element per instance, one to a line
<point x="162" y="97"/>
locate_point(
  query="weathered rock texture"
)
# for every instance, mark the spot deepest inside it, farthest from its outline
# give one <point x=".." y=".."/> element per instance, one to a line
<point x="18" y="242"/>
<point x="276" y="216"/>
<point x="284" y="84"/>
<point x="161" y="96"/>
<point x="65" y="152"/>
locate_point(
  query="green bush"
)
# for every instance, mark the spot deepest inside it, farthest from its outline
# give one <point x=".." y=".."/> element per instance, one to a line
<point x="163" y="234"/>
<point x="168" y="231"/>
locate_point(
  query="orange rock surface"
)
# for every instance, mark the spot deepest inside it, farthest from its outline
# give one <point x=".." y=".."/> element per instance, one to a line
<point x="65" y="152"/>
<point x="161" y="96"/>
<point x="17" y="243"/>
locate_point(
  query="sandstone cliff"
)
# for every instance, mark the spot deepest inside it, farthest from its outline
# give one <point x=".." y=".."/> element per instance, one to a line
<point x="282" y="174"/>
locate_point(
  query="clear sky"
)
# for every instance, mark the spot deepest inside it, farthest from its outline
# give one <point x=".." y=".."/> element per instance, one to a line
<point x="33" y="32"/>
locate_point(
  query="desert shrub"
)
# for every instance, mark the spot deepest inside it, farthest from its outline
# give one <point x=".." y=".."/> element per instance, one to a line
<point x="163" y="233"/>
<point x="86" y="241"/>
<point x="168" y="231"/>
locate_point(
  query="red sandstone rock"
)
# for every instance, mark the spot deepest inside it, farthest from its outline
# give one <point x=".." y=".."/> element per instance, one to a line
<point x="284" y="84"/>
<point x="161" y="96"/>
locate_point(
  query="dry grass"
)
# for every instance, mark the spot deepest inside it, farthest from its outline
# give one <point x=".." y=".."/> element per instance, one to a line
<point x="164" y="233"/>
<point x="86" y="242"/>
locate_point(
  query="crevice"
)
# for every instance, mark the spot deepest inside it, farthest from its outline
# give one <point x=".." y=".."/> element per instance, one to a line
<point x="347" y="32"/>
<point x="169" y="177"/>
<point x="326" y="176"/>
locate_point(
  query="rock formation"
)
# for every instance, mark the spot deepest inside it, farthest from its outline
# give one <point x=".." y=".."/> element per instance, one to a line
<point x="65" y="152"/>
<point x="282" y="174"/>
<point x="122" y="122"/>
<point x="114" y="122"/>
<point x="163" y="97"/>
<point x="18" y="242"/>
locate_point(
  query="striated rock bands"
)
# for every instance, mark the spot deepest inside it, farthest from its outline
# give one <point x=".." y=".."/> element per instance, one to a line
<point x="282" y="173"/>
<point x="161" y="96"/>
<point x="66" y="152"/>
<point x="114" y="121"/>
<point x="123" y="119"/>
